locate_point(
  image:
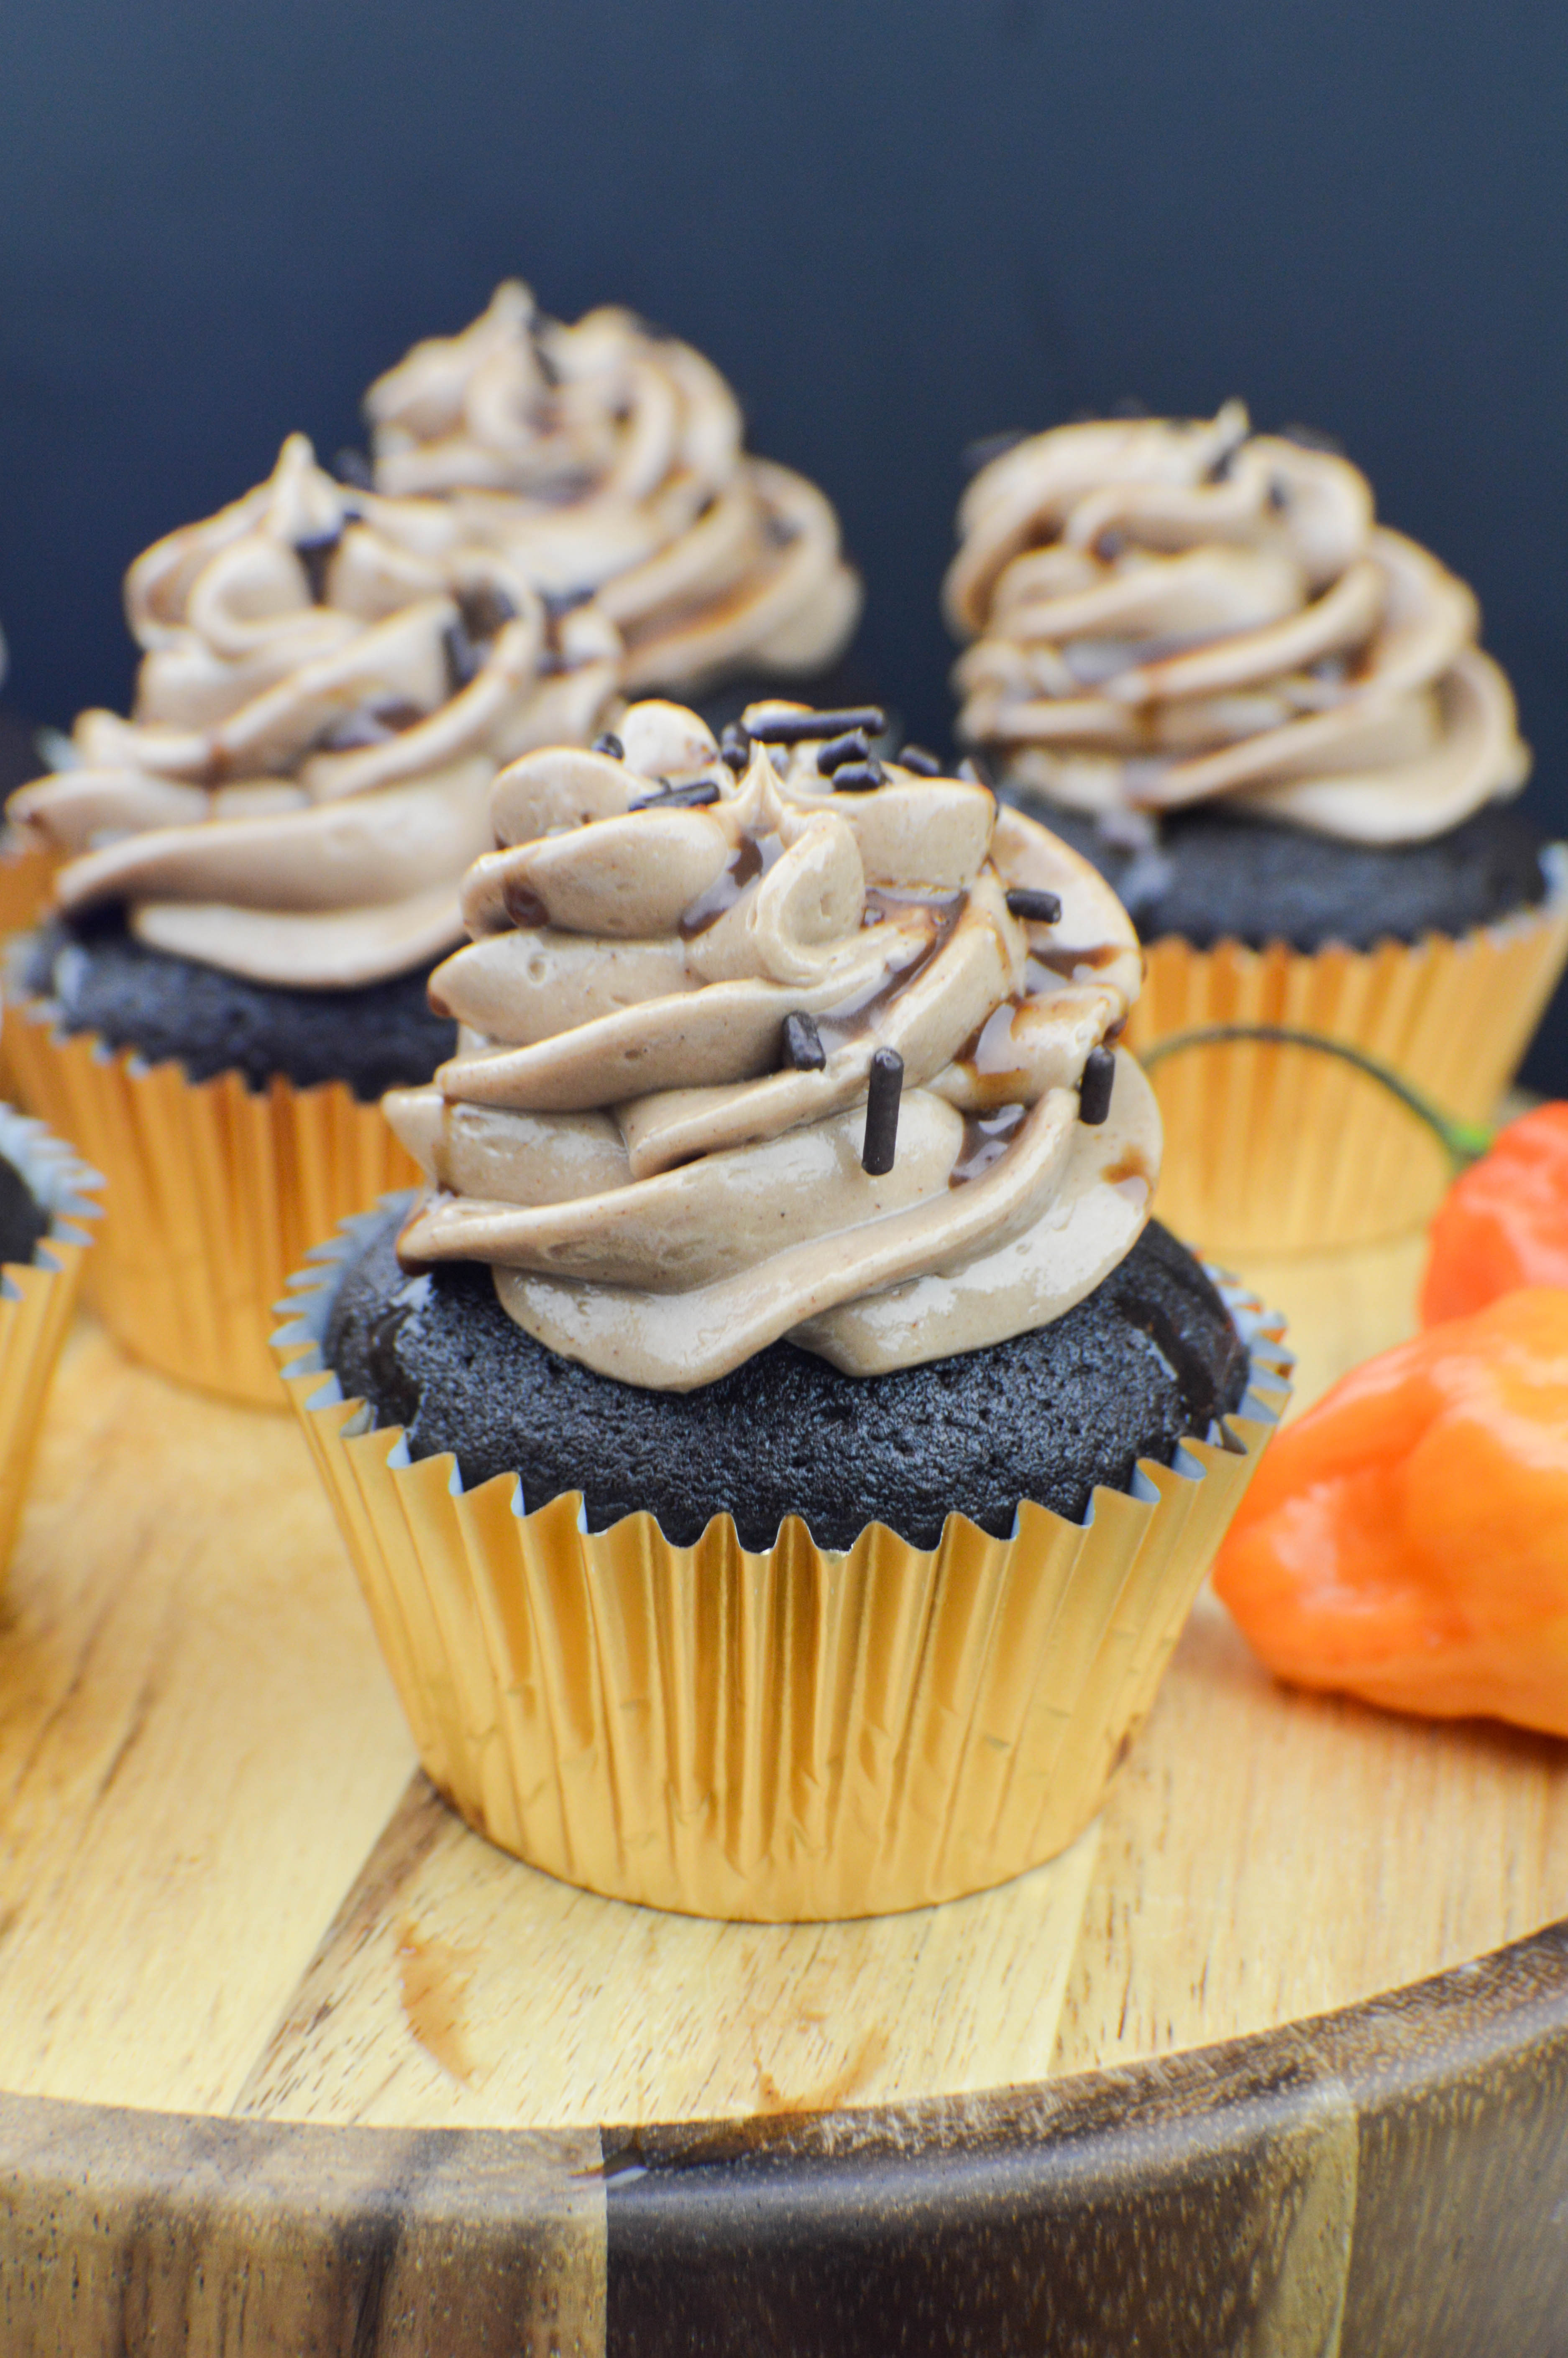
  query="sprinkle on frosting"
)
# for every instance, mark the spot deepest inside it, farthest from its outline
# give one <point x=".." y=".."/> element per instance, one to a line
<point x="721" y="1063"/>
<point x="329" y="682"/>
<point x="1170" y="611"/>
<point x="605" y="460"/>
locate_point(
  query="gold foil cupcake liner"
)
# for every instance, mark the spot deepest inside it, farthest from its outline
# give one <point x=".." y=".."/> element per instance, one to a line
<point x="215" y="1191"/>
<point x="797" y="1734"/>
<point x="1272" y="1148"/>
<point x="37" y="1297"/>
<point x="27" y="881"/>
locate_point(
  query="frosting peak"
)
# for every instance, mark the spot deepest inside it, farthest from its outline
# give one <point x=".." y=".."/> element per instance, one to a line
<point x="1167" y="611"/>
<point x="329" y="682"/>
<point x="689" y="973"/>
<point x="607" y="459"/>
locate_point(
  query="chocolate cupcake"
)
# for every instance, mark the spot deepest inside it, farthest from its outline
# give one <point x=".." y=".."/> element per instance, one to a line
<point x="48" y="1200"/>
<point x="777" y="1451"/>
<point x="261" y="867"/>
<point x="1264" y="717"/>
<point x="608" y="461"/>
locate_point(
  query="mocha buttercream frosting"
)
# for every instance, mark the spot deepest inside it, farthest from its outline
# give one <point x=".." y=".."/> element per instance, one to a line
<point x="329" y="682"/>
<point x="607" y="459"/>
<point x="1170" y="611"/>
<point x="688" y="974"/>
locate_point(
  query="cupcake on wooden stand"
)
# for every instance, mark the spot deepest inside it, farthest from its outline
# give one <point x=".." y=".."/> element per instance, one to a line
<point x="1265" y="717"/>
<point x="778" y="1448"/>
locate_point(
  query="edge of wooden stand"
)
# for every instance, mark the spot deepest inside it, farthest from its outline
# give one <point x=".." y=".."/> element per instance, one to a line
<point x="1394" y="2175"/>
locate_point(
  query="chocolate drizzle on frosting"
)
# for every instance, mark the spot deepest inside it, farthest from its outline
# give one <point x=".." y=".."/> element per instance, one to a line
<point x="700" y="1103"/>
<point x="1171" y="611"/>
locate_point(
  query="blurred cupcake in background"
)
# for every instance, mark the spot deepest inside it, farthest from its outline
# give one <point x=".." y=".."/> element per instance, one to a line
<point x="261" y="866"/>
<point x="47" y="1197"/>
<point x="608" y="462"/>
<point x="26" y="866"/>
<point x="1265" y="717"/>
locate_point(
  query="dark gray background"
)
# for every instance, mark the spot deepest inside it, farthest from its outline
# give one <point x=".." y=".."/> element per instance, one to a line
<point x="896" y="225"/>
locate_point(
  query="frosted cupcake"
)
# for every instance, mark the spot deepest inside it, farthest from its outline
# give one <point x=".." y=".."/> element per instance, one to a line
<point x="1265" y="717"/>
<point x="48" y="1199"/>
<point x="778" y="1452"/>
<point x="608" y="462"/>
<point x="261" y="866"/>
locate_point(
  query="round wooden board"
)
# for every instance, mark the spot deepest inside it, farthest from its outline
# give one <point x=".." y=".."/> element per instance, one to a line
<point x="1098" y="2108"/>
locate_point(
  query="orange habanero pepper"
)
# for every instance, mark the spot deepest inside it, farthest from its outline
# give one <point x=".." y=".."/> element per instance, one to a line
<point x="1504" y="1222"/>
<point x="1407" y="1540"/>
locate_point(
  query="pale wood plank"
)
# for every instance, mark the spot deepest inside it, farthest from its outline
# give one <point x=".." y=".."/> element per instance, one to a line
<point x="1268" y="1855"/>
<point x="459" y="1987"/>
<point x="198" y="1742"/>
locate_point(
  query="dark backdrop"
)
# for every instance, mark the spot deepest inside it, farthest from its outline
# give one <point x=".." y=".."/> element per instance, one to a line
<point x="897" y="225"/>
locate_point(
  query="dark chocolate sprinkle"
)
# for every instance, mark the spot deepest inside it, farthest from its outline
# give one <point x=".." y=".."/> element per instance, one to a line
<point x="1110" y="545"/>
<point x="853" y="746"/>
<point x="609" y="743"/>
<point x="1034" y="908"/>
<point x="857" y="777"/>
<point x="354" y="467"/>
<point x="1094" y="1089"/>
<point x="882" y="1113"/>
<point x="1278" y="497"/>
<point x="485" y="611"/>
<point x="735" y="748"/>
<point x="703" y="790"/>
<point x="980" y="454"/>
<point x="802" y="1049"/>
<point x="800" y="727"/>
<point x="464" y="661"/>
<point x="315" y="555"/>
<point x="923" y="764"/>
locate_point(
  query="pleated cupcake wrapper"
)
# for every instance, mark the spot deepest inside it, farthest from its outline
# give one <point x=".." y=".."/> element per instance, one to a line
<point x="37" y="1297"/>
<point x="26" y="878"/>
<point x="215" y="1191"/>
<point x="1278" y="1148"/>
<point x="794" y="1733"/>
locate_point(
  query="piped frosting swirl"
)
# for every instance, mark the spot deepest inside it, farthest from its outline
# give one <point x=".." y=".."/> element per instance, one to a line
<point x="329" y="681"/>
<point x="682" y="968"/>
<point x="606" y="460"/>
<point x="1167" y="611"/>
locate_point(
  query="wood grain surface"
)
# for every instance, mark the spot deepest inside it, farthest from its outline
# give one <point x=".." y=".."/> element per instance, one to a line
<point x="223" y="1889"/>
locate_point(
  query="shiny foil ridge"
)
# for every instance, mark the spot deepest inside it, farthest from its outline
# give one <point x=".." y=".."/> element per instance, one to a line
<point x="797" y="1734"/>
<point x="1274" y="1149"/>
<point x="38" y="1297"/>
<point x="214" y="1192"/>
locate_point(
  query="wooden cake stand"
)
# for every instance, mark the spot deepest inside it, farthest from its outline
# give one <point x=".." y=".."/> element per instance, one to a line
<point x="1275" y="2060"/>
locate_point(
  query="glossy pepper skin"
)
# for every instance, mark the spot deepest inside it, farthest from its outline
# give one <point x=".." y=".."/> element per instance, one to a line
<point x="1407" y="1540"/>
<point x="1504" y="1222"/>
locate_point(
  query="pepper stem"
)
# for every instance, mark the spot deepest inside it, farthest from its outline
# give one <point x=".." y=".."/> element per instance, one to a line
<point x="1464" y="1142"/>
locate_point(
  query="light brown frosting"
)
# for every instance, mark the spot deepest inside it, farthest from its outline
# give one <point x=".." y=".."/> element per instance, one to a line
<point x="329" y="682"/>
<point x="606" y="459"/>
<point x="659" y="1192"/>
<point x="1169" y="612"/>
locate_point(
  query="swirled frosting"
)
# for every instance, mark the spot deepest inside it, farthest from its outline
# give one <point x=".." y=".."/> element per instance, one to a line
<point x="329" y="682"/>
<point x="1171" y="611"/>
<point x="655" y="1129"/>
<point x="606" y="459"/>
